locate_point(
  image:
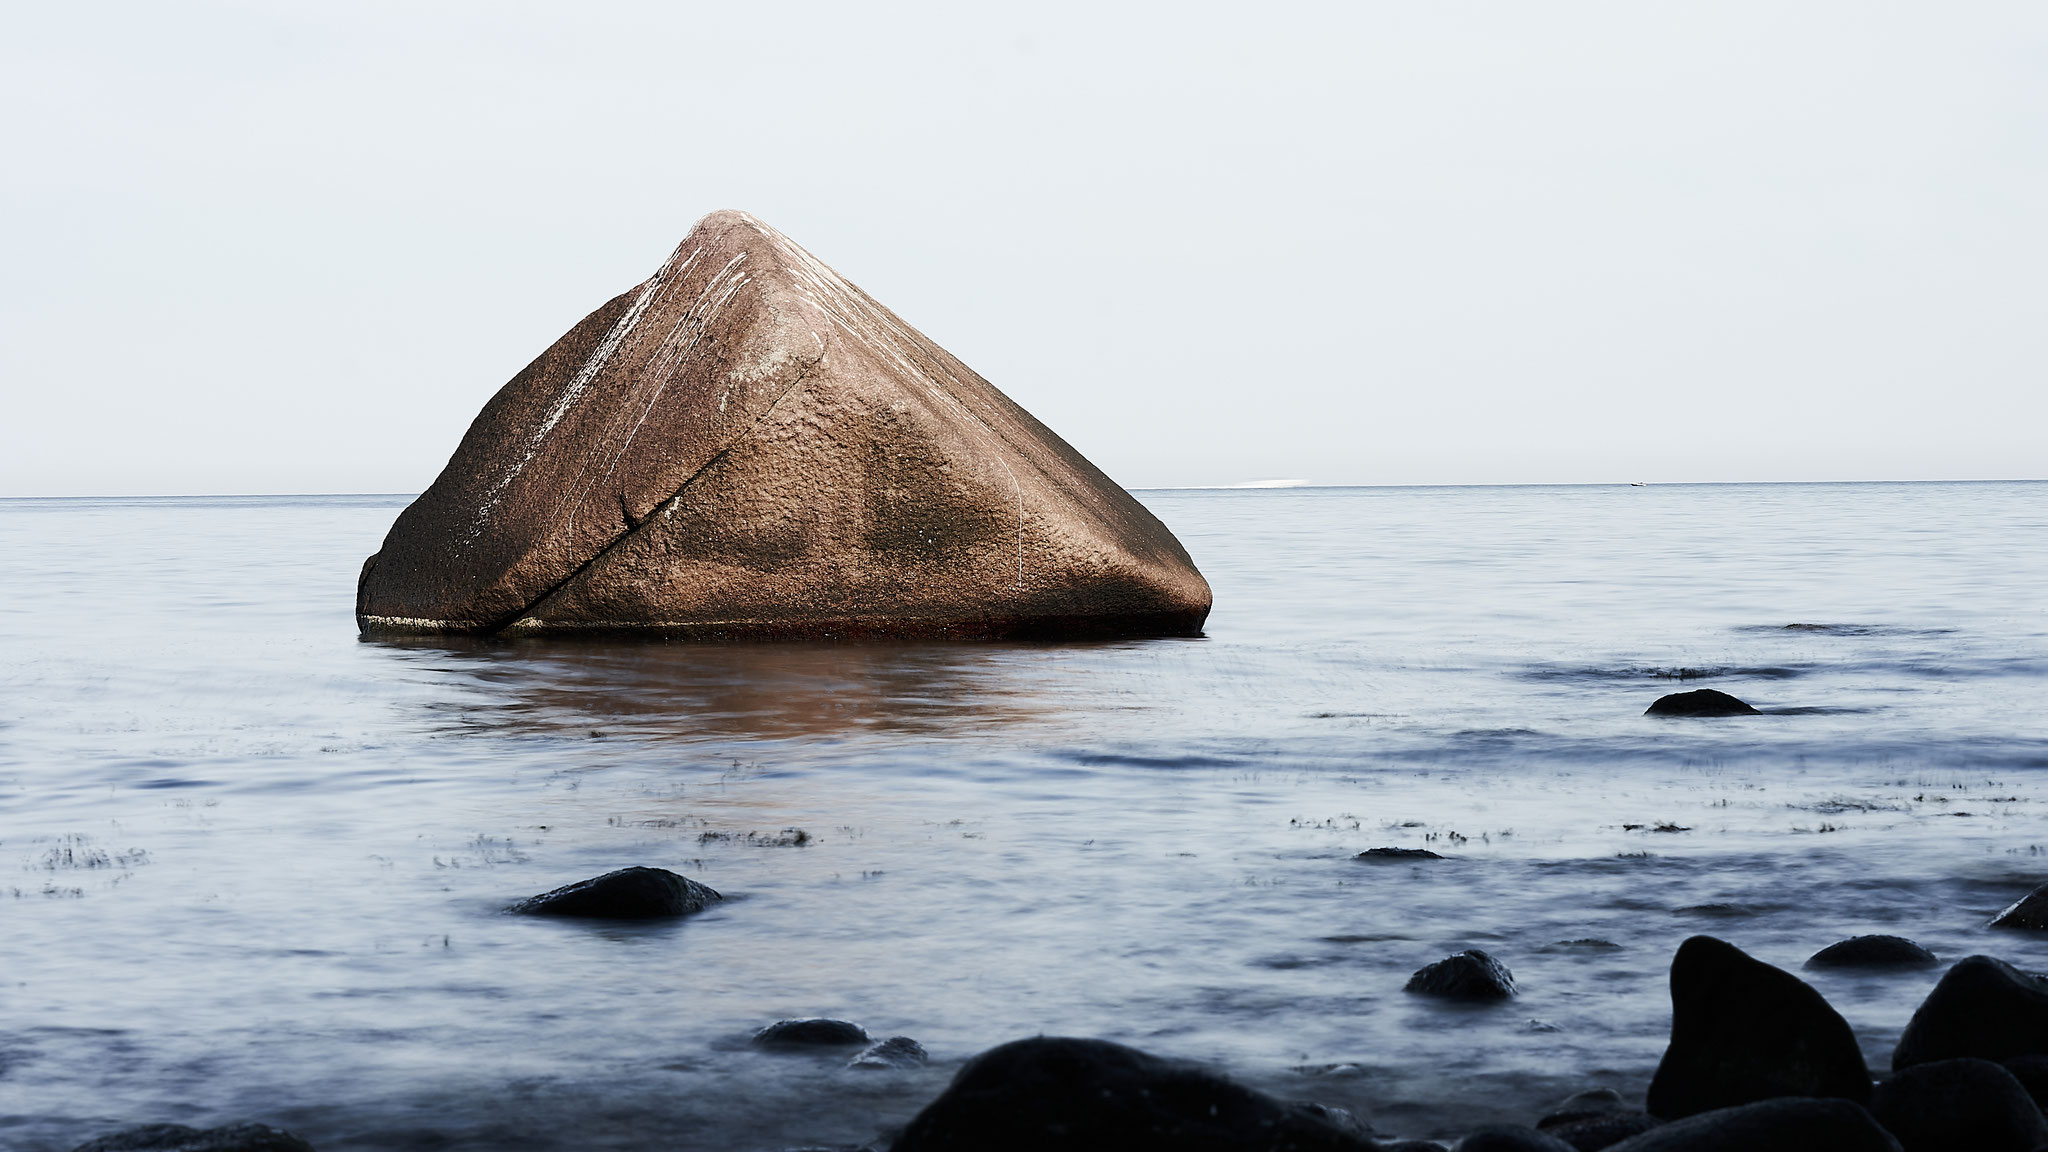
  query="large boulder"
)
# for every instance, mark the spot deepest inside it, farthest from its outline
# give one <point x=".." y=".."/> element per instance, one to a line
<point x="1787" y="1124"/>
<point x="1960" y="1103"/>
<point x="1742" y="1031"/>
<point x="1981" y="1007"/>
<point x="747" y="445"/>
<point x="1054" y="1092"/>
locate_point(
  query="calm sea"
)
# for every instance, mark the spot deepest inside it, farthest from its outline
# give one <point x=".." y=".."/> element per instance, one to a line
<point x="252" y="868"/>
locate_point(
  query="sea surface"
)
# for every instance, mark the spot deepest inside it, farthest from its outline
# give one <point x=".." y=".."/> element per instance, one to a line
<point x="253" y="868"/>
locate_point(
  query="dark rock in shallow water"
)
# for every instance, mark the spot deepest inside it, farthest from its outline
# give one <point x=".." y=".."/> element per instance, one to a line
<point x="1595" y="1118"/>
<point x="627" y="894"/>
<point x="1469" y="975"/>
<point x="812" y="1032"/>
<point x="746" y="445"/>
<point x="1056" y="1092"/>
<point x="1397" y="854"/>
<point x="1700" y="702"/>
<point x="1592" y="1133"/>
<point x="1742" y="1030"/>
<point x="2029" y="912"/>
<point x="1511" y="1138"/>
<point x="1872" y="952"/>
<point x="1963" y="1103"/>
<point x="179" y="1138"/>
<point x="1982" y="1007"/>
<point x="895" y="1052"/>
<point x="1787" y="1124"/>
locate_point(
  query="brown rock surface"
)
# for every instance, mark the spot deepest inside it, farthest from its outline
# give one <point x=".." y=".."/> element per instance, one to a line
<point x="746" y="445"/>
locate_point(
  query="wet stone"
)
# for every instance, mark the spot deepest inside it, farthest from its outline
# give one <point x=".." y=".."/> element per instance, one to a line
<point x="895" y="1052"/>
<point x="1511" y="1138"/>
<point x="812" y="1032"/>
<point x="1742" y="1030"/>
<point x="1469" y="975"/>
<point x="2028" y="913"/>
<point x="1053" y="1092"/>
<point x="1873" y="952"/>
<point x="1961" y="1103"/>
<point x="1397" y="854"/>
<point x="1699" y="702"/>
<point x="1786" y="1124"/>
<point x="1591" y="1133"/>
<point x="627" y="894"/>
<point x="179" y="1138"/>
<point x="1981" y="1007"/>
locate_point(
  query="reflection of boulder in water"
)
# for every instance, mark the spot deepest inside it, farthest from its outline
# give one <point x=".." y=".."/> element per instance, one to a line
<point x="748" y="691"/>
<point x="745" y="446"/>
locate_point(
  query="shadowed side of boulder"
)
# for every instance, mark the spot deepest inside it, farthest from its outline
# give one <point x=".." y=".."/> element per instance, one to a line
<point x="749" y="446"/>
<point x="1981" y="1007"/>
<point x="2029" y="912"/>
<point x="1054" y="1092"/>
<point x="1961" y="1103"/>
<point x="627" y="894"/>
<point x="1700" y="702"/>
<point x="1742" y="1031"/>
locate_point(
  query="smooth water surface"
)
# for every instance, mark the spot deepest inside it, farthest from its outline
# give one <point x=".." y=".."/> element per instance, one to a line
<point x="252" y="868"/>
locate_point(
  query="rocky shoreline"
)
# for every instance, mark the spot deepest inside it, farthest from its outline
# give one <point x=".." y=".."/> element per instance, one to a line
<point x="1757" y="1060"/>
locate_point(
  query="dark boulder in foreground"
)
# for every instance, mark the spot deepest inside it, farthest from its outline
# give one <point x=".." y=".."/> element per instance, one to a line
<point x="1397" y="854"/>
<point x="1788" y="1124"/>
<point x="2031" y="1070"/>
<point x="1700" y="702"/>
<point x="2029" y="912"/>
<point x="1056" y="1092"/>
<point x="1959" y="1104"/>
<point x="812" y="1032"/>
<point x="627" y="894"/>
<point x="1742" y="1031"/>
<point x="746" y="445"/>
<point x="1511" y="1138"/>
<point x="1982" y="1007"/>
<point x="179" y="1138"/>
<point x="1873" y="952"/>
<point x="895" y="1052"/>
<point x="1469" y="975"/>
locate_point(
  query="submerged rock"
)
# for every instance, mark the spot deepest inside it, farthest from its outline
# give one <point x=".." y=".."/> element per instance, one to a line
<point x="1397" y="854"/>
<point x="747" y="445"/>
<point x="1981" y="1007"/>
<point x="1699" y="702"/>
<point x="627" y="894"/>
<point x="895" y="1052"/>
<point x="1742" y="1030"/>
<point x="814" y="1032"/>
<point x="179" y="1138"/>
<point x="1054" y="1092"/>
<point x="2028" y="912"/>
<point x="1469" y="975"/>
<point x="1873" y="952"/>
<point x="1961" y="1103"/>
<point x="1787" y="1124"/>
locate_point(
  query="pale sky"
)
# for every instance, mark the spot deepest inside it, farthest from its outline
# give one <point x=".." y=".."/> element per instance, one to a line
<point x="275" y="247"/>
